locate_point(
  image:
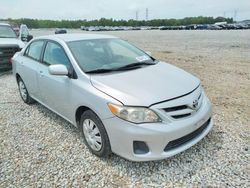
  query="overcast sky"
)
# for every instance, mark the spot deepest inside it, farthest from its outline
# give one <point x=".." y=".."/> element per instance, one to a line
<point x="122" y="9"/>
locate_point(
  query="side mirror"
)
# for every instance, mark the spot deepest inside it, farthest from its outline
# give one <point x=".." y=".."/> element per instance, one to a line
<point x="23" y="38"/>
<point x="58" y="70"/>
<point x="29" y="38"/>
<point x="26" y="38"/>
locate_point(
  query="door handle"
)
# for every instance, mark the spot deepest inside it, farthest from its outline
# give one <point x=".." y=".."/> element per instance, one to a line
<point x="21" y="63"/>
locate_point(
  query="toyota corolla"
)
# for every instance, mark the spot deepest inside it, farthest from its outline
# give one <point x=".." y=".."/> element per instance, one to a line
<point x="121" y="98"/>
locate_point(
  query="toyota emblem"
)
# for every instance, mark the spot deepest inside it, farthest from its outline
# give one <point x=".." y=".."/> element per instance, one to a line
<point x="195" y="103"/>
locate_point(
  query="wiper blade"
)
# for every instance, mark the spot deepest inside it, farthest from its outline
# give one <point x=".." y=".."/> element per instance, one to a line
<point x="126" y="67"/>
<point x="109" y="70"/>
<point x="99" y="71"/>
<point x="135" y="65"/>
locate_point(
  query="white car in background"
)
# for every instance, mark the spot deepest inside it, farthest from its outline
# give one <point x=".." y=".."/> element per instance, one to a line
<point x="10" y="43"/>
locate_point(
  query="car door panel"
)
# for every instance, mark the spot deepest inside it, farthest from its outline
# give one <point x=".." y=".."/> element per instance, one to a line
<point x="28" y="67"/>
<point x="55" y="90"/>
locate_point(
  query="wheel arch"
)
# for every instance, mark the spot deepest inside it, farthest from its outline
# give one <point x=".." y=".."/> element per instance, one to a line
<point x="79" y="111"/>
<point x="17" y="77"/>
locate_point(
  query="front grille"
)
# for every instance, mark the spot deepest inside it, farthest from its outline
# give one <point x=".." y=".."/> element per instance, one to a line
<point x="175" y="108"/>
<point x="6" y="53"/>
<point x="181" y="116"/>
<point x="182" y="111"/>
<point x="180" y="141"/>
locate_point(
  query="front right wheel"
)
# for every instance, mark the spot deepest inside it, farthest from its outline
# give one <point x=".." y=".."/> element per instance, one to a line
<point x="94" y="134"/>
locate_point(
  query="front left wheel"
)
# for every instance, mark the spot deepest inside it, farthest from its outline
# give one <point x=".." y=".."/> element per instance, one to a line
<point x="94" y="134"/>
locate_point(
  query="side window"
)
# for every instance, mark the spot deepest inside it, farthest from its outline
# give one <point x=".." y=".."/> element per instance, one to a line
<point x="54" y="54"/>
<point x="34" y="50"/>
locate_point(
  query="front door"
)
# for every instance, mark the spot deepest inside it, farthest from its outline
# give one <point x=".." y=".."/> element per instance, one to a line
<point x="55" y="90"/>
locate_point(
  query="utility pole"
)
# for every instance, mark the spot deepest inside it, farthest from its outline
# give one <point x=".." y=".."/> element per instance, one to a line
<point x="235" y="15"/>
<point x="146" y="14"/>
<point x="224" y="14"/>
<point x="136" y="15"/>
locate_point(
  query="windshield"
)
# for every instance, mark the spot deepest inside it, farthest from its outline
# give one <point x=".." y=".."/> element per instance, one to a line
<point x="106" y="54"/>
<point x="7" y="32"/>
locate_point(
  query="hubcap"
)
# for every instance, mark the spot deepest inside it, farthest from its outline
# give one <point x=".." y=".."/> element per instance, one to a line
<point x="92" y="134"/>
<point x="23" y="90"/>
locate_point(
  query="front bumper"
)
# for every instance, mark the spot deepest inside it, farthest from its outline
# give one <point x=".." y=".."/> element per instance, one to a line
<point x="122" y="134"/>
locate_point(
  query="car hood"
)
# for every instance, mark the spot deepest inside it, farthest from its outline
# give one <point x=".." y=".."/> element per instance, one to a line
<point x="11" y="42"/>
<point x="146" y="86"/>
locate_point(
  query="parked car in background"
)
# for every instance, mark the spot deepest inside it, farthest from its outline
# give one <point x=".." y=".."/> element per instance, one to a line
<point x="121" y="99"/>
<point x="214" y="27"/>
<point x="164" y="28"/>
<point x="191" y="27"/>
<point x="202" y="26"/>
<point x="24" y="34"/>
<point x="16" y="29"/>
<point x="10" y="43"/>
<point x="60" y="31"/>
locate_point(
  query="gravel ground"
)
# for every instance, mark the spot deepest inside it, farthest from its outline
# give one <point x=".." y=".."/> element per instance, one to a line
<point x="40" y="149"/>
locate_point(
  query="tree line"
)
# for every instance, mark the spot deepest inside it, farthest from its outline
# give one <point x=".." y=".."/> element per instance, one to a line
<point x="39" y="23"/>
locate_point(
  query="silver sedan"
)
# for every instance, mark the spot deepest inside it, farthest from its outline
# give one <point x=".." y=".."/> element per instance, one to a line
<point x="121" y="98"/>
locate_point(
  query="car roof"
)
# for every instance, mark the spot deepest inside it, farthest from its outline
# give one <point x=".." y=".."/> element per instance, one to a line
<point x="76" y="37"/>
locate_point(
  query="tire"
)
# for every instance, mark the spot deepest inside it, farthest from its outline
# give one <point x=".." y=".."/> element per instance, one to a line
<point x="24" y="92"/>
<point x="94" y="134"/>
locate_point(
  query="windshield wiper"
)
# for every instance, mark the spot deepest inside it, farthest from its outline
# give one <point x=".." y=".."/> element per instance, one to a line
<point x="100" y="71"/>
<point x="134" y="65"/>
<point x="126" y="67"/>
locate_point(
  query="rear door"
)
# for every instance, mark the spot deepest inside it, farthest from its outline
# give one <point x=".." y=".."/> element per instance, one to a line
<point x="28" y="64"/>
<point x="55" y="90"/>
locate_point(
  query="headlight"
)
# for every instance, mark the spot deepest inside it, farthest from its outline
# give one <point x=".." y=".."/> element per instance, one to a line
<point x="134" y="114"/>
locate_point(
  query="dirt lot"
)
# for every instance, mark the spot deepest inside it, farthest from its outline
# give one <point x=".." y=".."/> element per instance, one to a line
<point x="38" y="148"/>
